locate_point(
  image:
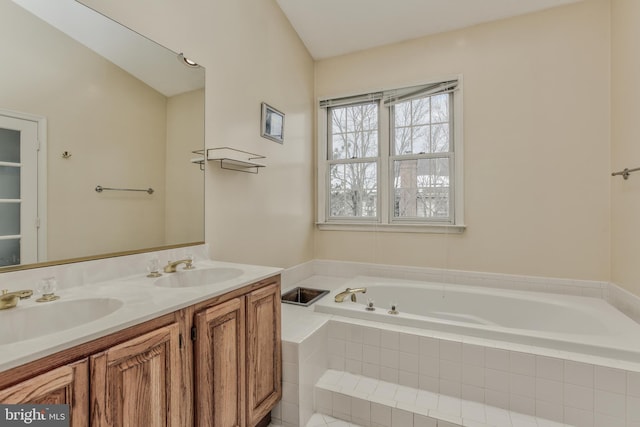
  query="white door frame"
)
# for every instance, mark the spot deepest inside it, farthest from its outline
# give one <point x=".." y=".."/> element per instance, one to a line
<point x="41" y="123"/>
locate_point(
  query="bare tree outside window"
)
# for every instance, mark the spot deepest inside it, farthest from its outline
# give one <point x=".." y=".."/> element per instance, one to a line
<point x="421" y="146"/>
<point x="353" y="167"/>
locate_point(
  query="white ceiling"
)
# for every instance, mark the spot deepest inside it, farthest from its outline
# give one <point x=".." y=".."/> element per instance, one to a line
<point x="335" y="27"/>
<point x="155" y="65"/>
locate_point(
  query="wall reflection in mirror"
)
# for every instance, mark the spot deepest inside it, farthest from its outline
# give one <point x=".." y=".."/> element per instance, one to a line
<point x="84" y="102"/>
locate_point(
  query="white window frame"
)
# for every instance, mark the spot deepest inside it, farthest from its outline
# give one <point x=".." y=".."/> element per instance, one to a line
<point x="385" y="220"/>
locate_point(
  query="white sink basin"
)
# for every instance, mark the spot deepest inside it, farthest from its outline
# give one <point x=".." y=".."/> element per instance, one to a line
<point x="23" y="323"/>
<point x="197" y="277"/>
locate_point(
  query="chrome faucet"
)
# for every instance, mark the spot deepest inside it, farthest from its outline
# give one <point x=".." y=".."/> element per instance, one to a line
<point x="171" y="266"/>
<point x="349" y="291"/>
<point x="10" y="299"/>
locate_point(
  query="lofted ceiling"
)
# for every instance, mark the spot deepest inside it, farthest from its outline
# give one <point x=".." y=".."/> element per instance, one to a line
<point x="335" y="27"/>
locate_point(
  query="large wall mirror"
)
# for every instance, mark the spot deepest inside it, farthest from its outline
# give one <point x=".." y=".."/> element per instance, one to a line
<point x="86" y="102"/>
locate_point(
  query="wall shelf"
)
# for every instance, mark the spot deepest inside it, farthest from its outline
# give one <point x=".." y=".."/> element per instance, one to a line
<point x="236" y="160"/>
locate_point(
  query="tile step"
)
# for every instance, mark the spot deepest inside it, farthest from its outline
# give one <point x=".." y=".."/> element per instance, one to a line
<point x="369" y="402"/>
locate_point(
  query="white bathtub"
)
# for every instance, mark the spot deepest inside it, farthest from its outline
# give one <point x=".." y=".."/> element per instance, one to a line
<point x="577" y="324"/>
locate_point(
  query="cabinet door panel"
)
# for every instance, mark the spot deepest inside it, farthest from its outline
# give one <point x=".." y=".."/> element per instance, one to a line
<point x="65" y="385"/>
<point x="219" y="365"/>
<point x="136" y="383"/>
<point x="264" y="372"/>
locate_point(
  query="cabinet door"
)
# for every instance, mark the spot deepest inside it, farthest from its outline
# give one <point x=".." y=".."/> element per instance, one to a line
<point x="219" y="365"/>
<point x="64" y="385"/>
<point x="264" y="363"/>
<point x="137" y="383"/>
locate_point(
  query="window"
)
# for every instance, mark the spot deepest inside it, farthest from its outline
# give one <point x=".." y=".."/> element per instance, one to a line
<point x="392" y="159"/>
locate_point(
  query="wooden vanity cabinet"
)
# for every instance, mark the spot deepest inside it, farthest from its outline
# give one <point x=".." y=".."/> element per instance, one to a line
<point x="64" y="385"/>
<point x="237" y="358"/>
<point x="229" y="374"/>
<point x="137" y="383"/>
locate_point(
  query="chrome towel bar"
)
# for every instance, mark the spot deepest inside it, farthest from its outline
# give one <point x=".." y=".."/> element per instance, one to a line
<point x="625" y="172"/>
<point x="100" y="189"/>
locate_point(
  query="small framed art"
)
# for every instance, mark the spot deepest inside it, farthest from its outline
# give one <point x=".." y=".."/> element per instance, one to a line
<point x="272" y="124"/>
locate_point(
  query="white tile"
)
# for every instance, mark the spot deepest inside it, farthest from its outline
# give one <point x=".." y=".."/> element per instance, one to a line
<point x="323" y="401"/>
<point x="406" y="395"/>
<point x="549" y="391"/>
<point x="473" y="411"/>
<point x="341" y="406"/>
<point x="450" y="388"/>
<point x="633" y="383"/>
<point x="290" y="372"/>
<point x="353" y="351"/>
<point x="389" y="339"/>
<point x="451" y="371"/>
<point x="473" y="355"/>
<point x="337" y="330"/>
<point x="429" y="347"/>
<point x="316" y="420"/>
<point x="522" y="385"/>
<point x="385" y="390"/>
<point x="496" y="380"/>
<point x="633" y="409"/>
<point x="522" y="404"/>
<point x="449" y="405"/>
<point x="422" y="421"/>
<point x="473" y="375"/>
<point x="409" y="379"/>
<point x="430" y="383"/>
<point x="472" y="393"/>
<point x="336" y="347"/>
<point x="355" y="334"/>
<point x="549" y="368"/>
<point x="361" y="409"/>
<point x="372" y="337"/>
<point x="496" y="358"/>
<point x="610" y="403"/>
<point x="451" y="351"/>
<point x="578" y="417"/>
<point x="578" y="397"/>
<point x="409" y="343"/>
<point x="389" y="358"/>
<point x="426" y="399"/>
<point x="370" y="370"/>
<point x="389" y="374"/>
<point x="381" y="414"/>
<point x="497" y="417"/>
<point x="577" y="373"/>
<point x="409" y="362"/>
<point x="523" y="420"/>
<point x="353" y="366"/>
<point x="366" y="386"/>
<point x="429" y="366"/>
<point x="549" y="410"/>
<point x="290" y="413"/>
<point x="400" y="418"/>
<point x="522" y="363"/>
<point x="608" y="421"/>
<point x="289" y="352"/>
<point x="498" y="399"/>
<point x="290" y="392"/>
<point x="336" y="363"/>
<point x="610" y="379"/>
<point x="371" y="354"/>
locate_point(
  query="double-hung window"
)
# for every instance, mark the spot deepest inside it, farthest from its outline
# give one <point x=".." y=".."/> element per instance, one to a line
<point x="392" y="159"/>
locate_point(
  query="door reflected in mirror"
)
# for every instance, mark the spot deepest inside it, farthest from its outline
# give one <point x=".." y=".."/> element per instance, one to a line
<point x="87" y="102"/>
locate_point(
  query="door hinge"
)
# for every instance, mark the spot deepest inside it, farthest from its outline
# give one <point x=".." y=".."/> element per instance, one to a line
<point x="37" y="145"/>
<point x="38" y="222"/>
<point x="194" y="333"/>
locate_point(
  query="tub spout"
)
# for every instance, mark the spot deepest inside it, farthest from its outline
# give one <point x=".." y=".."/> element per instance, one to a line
<point x="349" y="291"/>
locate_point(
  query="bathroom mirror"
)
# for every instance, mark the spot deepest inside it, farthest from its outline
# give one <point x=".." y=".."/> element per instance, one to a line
<point x="86" y="102"/>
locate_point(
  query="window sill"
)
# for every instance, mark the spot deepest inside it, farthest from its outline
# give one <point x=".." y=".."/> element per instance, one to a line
<point x="392" y="228"/>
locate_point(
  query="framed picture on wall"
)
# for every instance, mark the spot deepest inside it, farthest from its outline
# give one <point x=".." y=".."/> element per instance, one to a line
<point x="272" y="124"/>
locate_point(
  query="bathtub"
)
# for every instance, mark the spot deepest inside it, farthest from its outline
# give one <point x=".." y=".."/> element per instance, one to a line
<point x="568" y="323"/>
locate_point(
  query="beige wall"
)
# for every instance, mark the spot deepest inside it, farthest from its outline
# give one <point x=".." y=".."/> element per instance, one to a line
<point x="625" y="141"/>
<point x="251" y="54"/>
<point x="536" y="143"/>
<point x="184" y="207"/>
<point x="46" y="73"/>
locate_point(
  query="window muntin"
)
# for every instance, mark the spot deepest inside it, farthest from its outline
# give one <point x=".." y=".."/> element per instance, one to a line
<point x="353" y="149"/>
<point x="410" y="177"/>
<point x="423" y="159"/>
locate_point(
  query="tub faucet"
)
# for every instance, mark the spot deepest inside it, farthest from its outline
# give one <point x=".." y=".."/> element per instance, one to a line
<point x="171" y="266"/>
<point x="10" y="299"/>
<point x="349" y="291"/>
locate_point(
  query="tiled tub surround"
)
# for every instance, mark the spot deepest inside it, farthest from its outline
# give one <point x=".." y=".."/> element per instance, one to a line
<point x="122" y="278"/>
<point x="556" y="385"/>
